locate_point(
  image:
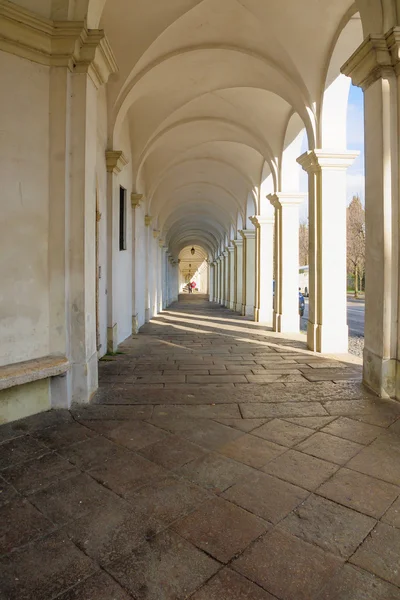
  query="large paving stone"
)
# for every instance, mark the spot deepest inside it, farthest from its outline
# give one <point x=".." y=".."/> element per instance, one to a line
<point x="92" y="453"/>
<point x="286" y="409"/>
<point x="113" y="412"/>
<point x="7" y="492"/>
<point x="97" y="587"/>
<point x="361" y="492"/>
<point x="392" y="517"/>
<point x="283" y="432"/>
<point x="166" y="567"/>
<point x="380" y="553"/>
<point x="252" y="451"/>
<point x="221" y="529"/>
<point x="37" y="474"/>
<point x="381" y="459"/>
<point x="352" y="430"/>
<point x="43" y="570"/>
<point x="265" y="496"/>
<point x="245" y="425"/>
<point x="64" y="434"/>
<point x="19" y="450"/>
<point x="214" y="472"/>
<point x="228" y="585"/>
<point x="355" y="584"/>
<point x="71" y="498"/>
<point x="334" y="528"/>
<point x="300" y="469"/>
<point x="329" y="447"/>
<point x="20" y="523"/>
<point x="287" y="567"/>
<point x="164" y="501"/>
<point x="135" y="434"/>
<point x="210" y="435"/>
<point x="172" y="452"/>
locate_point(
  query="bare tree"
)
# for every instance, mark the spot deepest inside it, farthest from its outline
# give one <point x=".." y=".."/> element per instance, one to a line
<point x="356" y="241"/>
<point x="303" y="243"/>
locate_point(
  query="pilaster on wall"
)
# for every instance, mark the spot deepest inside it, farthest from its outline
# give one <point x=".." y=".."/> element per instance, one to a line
<point x="231" y="277"/>
<point x="115" y="162"/>
<point x="375" y="67"/>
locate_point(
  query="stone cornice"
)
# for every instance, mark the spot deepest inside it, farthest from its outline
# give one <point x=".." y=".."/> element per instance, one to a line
<point x="258" y="220"/>
<point x="56" y="43"/>
<point x="247" y="233"/>
<point x="378" y="56"/>
<point x="315" y="160"/>
<point x="230" y="248"/>
<point x="237" y="243"/>
<point x="225" y="253"/>
<point x="115" y="161"/>
<point x="135" y="200"/>
<point x="286" y="199"/>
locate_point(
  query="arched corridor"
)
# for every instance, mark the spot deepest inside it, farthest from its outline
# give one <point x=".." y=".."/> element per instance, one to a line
<point x="155" y="159"/>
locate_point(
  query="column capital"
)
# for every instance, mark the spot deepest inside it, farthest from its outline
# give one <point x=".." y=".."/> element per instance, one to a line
<point x="147" y="220"/>
<point x="238" y="243"/>
<point x="156" y="233"/>
<point x="248" y="233"/>
<point x="286" y="199"/>
<point x="259" y="220"/>
<point x="230" y="248"/>
<point x="115" y="161"/>
<point x="316" y="160"/>
<point x="136" y="199"/>
<point x="56" y="43"/>
<point x="225" y="253"/>
<point x="378" y="56"/>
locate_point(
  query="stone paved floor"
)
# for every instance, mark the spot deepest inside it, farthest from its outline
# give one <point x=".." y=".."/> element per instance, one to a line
<point x="217" y="463"/>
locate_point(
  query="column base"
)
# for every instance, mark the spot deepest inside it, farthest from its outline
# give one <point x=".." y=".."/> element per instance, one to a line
<point x="84" y="380"/>
<point x="147" y="315"/>
<point x="135" y="324"/>
<point x="112" y="338"/>
<point x="231" y="305"/>
<point x="381" y="375"/>
<point x="247" y="310"/>
<point x="327" y="340"/>
<point x="285" y="324"/>
<point x="238" y="307"/>
<point x="263" y="316"/>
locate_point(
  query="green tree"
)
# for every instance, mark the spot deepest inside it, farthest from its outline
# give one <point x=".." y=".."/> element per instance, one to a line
<point x="356" y="242"/>
<point x="303" y="243"/>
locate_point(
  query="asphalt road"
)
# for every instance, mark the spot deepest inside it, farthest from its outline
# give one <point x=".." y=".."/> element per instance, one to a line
<point x="355" y="316"/>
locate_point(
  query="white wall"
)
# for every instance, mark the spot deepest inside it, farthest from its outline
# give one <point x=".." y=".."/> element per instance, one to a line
<point x="24" y="209"/>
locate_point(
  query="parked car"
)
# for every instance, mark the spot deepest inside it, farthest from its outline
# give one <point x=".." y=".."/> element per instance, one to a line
<point x="302" y="304"/>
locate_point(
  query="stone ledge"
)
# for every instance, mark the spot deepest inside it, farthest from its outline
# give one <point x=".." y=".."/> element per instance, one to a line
<point x="32" y="370"/>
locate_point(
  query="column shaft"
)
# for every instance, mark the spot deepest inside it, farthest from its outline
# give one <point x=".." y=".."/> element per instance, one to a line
<point x="263" y="306"/>
<point x="249" y="270"/>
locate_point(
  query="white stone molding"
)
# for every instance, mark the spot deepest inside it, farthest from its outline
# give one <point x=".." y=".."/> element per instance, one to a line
<point x="248" y="233"/>
<point x="315" y="160"/>
<point x="115" y="161"/>
<point x="136" y="199"/>
<point x="56" y="43"/>
<point x="378" y="56"/>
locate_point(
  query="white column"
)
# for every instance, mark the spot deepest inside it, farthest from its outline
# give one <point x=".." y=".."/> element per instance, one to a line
<point x="226" y="278"/>
<point x="263" y="304"/>
<point x="135" y="203"/>
<point x="327" y="322"/>
<point x="377" y="73"/>
<point x="231" y="277"/>
<point x="211" y="283"/>
<point x="219" y="262"/>
<point x="238" y="284"/>
<point x="249" y="271"/>
<point x="286" y="314"/>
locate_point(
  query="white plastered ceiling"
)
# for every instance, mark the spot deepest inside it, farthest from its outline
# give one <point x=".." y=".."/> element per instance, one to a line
<point x="207" y="89"/>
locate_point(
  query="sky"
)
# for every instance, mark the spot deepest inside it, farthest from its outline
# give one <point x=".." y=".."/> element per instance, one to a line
<point x="355" y="141"/>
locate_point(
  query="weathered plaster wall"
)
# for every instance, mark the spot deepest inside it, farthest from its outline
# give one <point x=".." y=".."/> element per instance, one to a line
<point x="102" y="223"/>
<point x="24" y="176"/>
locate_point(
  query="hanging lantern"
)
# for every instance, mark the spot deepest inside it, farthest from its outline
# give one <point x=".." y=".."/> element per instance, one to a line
<point x="192" y="251"/>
